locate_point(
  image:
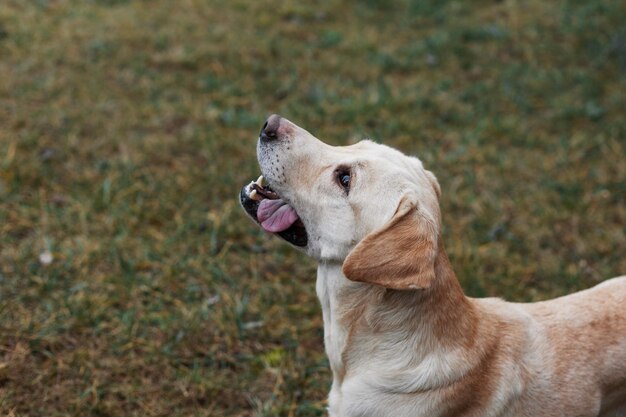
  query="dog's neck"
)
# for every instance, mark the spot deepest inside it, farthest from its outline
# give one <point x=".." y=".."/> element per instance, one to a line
<point x="362" y="321"/>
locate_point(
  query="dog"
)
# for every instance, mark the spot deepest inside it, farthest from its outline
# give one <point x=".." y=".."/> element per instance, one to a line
<point x="401" y="337"/>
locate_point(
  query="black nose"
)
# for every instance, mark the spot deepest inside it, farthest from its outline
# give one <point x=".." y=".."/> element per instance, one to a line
<point x="269" y="131"/>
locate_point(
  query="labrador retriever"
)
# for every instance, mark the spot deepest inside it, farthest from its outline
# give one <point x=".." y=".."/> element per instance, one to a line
<point x="401" y="337"/>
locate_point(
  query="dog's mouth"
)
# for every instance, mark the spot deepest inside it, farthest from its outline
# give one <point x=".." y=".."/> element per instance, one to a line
<point x="272" y="213"/>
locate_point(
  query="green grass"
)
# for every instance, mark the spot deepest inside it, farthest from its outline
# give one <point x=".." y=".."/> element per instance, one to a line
<point x="127" y="128"/>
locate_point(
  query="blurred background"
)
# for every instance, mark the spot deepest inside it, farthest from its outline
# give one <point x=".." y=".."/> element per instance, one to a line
<point x="131" y="284"/>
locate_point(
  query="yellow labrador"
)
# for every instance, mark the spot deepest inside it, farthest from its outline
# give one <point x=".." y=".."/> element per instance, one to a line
<point x="402" y="338"/>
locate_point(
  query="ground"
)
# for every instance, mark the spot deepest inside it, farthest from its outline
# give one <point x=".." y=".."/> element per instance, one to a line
<point x="131" y="284"/>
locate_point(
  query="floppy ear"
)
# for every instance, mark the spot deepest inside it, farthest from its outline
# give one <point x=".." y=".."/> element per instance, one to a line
<point x="401" y="255"/>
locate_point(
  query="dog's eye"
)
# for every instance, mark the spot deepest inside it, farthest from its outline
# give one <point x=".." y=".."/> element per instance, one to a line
<point x="343" y="178"/>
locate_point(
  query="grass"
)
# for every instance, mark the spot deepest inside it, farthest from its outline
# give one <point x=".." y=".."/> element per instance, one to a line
<point x="127" y="128"/>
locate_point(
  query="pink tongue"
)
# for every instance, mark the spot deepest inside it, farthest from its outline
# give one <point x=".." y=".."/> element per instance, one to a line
<point x="275" y="215"/>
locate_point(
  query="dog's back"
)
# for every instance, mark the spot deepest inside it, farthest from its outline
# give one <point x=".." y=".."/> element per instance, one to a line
<point x="587" y="332"/>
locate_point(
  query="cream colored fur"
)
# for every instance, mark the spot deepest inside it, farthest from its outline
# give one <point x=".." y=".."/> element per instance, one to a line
<point x="401" y="337"/>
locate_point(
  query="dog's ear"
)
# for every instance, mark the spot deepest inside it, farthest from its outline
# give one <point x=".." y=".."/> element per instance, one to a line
<point x="400" y="255"/>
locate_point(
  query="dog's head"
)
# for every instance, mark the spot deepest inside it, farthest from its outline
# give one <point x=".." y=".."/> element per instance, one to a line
<point x="366" y="205"/>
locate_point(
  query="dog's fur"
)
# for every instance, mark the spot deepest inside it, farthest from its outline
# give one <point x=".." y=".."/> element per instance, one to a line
<point x="402" y="338"/>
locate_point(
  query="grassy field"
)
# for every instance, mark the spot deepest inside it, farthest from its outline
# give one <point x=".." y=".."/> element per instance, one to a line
<point x="131" y="284"/>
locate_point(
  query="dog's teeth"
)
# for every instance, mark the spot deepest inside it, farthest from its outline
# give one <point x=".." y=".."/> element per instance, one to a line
<point x="255" y="196"/>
